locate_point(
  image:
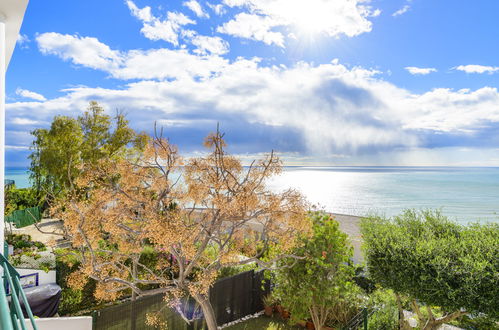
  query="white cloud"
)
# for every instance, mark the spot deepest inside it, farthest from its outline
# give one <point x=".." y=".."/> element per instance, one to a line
<point x="23" y="40"/>
<point x="446" y="110"/>
<point x="217" y="9"/>
<point x="137" y="64"/>
<point x="254" y="27"/>
<point x="9" y="147"/>
<point x="328" y="107"/>
<point x="333" y="18"/>
<point x="420" y="71"/>
<point x="156" y="29"/>
<point x="475" y="68"/>
<point x="196" y="8"/>
<point x="402" y="10"/>
<point x="24" y="121"/>
<point x="210" y="45"/>
<point x="85" y="51"/>
<point x="30" y="95"/>
<point x="166" y="63"/>
<point x="143" y="14"/>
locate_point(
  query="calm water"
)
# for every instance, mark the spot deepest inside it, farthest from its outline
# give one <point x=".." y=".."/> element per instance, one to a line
<point x="19" y="175"/>
<point x="465" y="194"/>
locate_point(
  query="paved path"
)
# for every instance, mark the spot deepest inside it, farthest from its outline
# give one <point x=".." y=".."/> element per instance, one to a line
<point x="350" y="224"/>
<point x="46" y="225"/>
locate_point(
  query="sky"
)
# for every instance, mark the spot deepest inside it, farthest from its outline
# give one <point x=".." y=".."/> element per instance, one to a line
<point x="321" y="82"/>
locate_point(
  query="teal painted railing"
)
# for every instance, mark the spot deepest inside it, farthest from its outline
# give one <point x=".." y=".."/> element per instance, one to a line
<point x="11" y="315"/>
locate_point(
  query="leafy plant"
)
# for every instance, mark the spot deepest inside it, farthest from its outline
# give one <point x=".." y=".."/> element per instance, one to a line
<point x="270" y="300"/>
<point x="435" y="262"/>
<point x="319" y="285"/>
<point x="73" y="300"/>
<point x="46" y="266"/>
<point x="385" y="314"/>
<point x="21" y="198"/>
<point x="59" y="152"/>
<point x="134" y="204"/>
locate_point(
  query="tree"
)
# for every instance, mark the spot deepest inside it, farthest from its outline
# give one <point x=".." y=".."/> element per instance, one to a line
<point x="435" y="262"/>
<point x="59" y="152"/>
<point x="198" y="216"/>
<point x="20" y="199"/>
<point x="320" y="285"/>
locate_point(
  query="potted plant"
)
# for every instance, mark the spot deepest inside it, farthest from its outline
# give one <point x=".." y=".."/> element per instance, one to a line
<point x="301" y="323"/>
<point x="269" y="302"/>
<point x="309" y="325"/>
<point x="285" y="314"/>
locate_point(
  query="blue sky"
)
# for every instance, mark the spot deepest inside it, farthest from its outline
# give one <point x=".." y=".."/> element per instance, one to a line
<point x="323" y="82"/>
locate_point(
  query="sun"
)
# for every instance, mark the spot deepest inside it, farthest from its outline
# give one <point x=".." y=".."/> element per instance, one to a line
<point x="309" y="17"/>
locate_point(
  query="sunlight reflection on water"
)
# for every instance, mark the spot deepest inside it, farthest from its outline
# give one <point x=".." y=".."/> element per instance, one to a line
<point x="465" y="194"/>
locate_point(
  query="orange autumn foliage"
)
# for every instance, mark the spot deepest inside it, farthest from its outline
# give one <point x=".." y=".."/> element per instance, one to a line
<point x="198" y="215"/>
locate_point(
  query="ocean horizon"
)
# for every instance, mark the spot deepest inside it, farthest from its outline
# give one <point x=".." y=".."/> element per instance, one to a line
<point x="464" y="194"/>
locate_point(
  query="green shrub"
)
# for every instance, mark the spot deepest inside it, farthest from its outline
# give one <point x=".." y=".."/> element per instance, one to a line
<point x="386" y="311"/>
<point x="39" y="245"/>
<point x="21" y="198"/>
<point x="320" y="286"/>
<point x="72" y="301"/>
<point x="481" y="321"/>
<point x="231" y="271"/>
<point x="435" y="262"/>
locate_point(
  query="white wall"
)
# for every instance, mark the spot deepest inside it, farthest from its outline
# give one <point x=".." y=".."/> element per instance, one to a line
<point x="2" y="126"/>
<point x="62" y="323"/>
<point x="43" y="278"/>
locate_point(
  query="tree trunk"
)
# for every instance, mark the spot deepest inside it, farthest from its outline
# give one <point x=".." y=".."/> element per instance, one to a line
<point x="208" y="312"/>
<point x="435" y="323"/>
<point x="316" y="318"/>
<point x="403" y="325"/>
<point x="134" y="298"/>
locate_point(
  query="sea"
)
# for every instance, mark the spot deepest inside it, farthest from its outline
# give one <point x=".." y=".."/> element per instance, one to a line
<point x="464" y="194"/>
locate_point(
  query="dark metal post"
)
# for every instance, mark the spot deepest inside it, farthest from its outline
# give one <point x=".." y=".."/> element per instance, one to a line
<point x="365" y="316"/>
<point x="94" y="319"/>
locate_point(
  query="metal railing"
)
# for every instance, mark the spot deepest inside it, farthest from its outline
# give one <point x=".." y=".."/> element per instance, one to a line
<point x="11" y="314"/>
<point x="359" y="321"/>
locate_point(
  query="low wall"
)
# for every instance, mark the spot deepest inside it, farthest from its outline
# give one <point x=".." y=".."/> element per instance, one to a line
<point x="62" y="323"/>
<point x="43" y="277"/>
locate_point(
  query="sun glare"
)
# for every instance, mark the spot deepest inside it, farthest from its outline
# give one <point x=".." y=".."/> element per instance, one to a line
<point x="309" y="17"/>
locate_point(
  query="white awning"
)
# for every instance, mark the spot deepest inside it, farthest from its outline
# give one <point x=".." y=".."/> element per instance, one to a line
<point x="12" y="13"/>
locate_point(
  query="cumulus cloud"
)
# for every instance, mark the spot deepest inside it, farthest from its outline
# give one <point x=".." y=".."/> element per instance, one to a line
<point x="156" y="29"/>
<point x="217" y="9"/>
<point x="210" y="45"/>
<point x="475" y="68"/>
<point x="333" y="18"/>
<point x="254" y="27"/>
<point x="323" y="106"/>
<point x="303" y="108"/>
<point x="23" y="121"/>
<point x="29" y="94"/>
<point x="86" y="51"/>
<point x="420" y="71"/>
<point x="160" y="63"/>
<point x="196" y="8"/>
<point x="168" y="64"/>
<point x="446" y="110"/>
